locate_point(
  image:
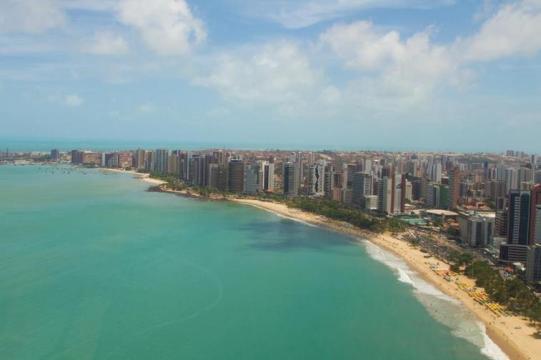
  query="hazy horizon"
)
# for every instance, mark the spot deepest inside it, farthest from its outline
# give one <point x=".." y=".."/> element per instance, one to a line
<point x="45" y="145"/>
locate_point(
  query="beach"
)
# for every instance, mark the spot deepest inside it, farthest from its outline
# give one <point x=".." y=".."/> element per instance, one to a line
<point x="140" y="176"/>
<point x="511" y="333"/>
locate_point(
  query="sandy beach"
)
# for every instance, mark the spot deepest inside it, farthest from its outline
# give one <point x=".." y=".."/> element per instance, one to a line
<point x="511" y="333"/>
<point x="140" y="176"/>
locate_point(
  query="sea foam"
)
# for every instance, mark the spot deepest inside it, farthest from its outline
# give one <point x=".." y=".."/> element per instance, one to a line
<point x="441" y="307"/>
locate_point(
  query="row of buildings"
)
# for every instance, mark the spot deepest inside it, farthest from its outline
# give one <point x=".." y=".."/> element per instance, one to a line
<point x="494" y="198"/>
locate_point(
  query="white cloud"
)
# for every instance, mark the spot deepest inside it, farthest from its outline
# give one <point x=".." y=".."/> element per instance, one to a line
<point x="514" y="30"/>
<point x="168" y="27"/>
<point x="73" y="100"/>
<point x="106" y="43"/>
<point x="408" y="71"/>
<point x="303" y="13"/>
<point x="277" y="72"/>
<point x="30" y="16"/>
<point x="391" y="66"/>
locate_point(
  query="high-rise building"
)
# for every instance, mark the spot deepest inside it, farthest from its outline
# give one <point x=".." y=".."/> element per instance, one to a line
<point x="436" y="172"/>
<point x="535" y="215"/>
<point x="476" y="230"/>
<point x="251" y="178"/>
<point x="160" y="161"/>
<point x="518" y="222"/>
<point x="124" y="159"/>
<point x="362" y="186"/>
<point x="76" y="157"/>
<point x="533" y="265"/>
<point x="385" y="195"/>
<point x="218" y="176"/>
<point x="408" y="193"/>
<point x="455" y="177"/>
<point x="328" y="183"/>
<point x="510" y="178"/>
<point x="199" y="170"/>
<point x="236" y="176"/>
<point x="290" y="178"/>
<point x="149" y="155"/>
<point x="501" y="224"/>
<point x="87" y="158"/>
<point x="402" y="198"/>
<point x="139" y="159"/>
<point x="317" y="179"/>
<point x="518" y="217"/>
<point x="266" y="176"/>
<point x="55" y="155"/>
<point x="433" y="196"/>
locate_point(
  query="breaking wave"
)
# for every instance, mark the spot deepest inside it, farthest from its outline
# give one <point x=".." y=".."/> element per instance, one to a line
<point x="441" y="307"/>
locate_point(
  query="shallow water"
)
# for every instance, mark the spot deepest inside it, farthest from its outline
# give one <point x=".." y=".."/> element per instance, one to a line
<point x="94" y="267"/>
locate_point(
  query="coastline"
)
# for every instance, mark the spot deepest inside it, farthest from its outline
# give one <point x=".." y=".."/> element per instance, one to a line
<point x="512" y="334"/>
<point x="140" y="176"/>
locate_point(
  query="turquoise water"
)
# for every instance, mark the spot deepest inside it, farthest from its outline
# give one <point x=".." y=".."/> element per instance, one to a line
<point x="94" y="267"/>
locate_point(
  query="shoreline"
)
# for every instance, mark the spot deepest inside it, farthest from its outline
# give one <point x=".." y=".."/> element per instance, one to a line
<point x="512" y="334"/>
<point x="139" y="176"/>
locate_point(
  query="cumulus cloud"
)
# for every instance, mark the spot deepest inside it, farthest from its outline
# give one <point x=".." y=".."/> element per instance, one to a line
<point x="30" y="16"/>
<point x="514" y="30"/>
<point x="106" y="43"/>
<point x="73" y="100"/>
<point x="275" y="72"/>
<point x="168" y="27"/>
<point x="410" y="67"/>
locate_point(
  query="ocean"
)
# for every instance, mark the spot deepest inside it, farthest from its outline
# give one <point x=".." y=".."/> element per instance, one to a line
<point x="92" y="266"/>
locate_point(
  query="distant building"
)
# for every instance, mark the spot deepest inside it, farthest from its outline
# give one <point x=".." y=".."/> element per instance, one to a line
<point x="290" y="179"/>
<point x="218" y="177"/>
<point x="476" y="230"/>
<point x="533" y="265"/>
<point x="535" y="215"/>
<point x="455" y="177"/>
<point x="518" y="218"/>
<point x="198" y="170"/>
<point x="317" y="179"/>
<point x="125" y="160"/>
<point x="55" y="155"/>
<point x="160" y="160"/>
<point x="267" y="176"/>
<point x="432" y="199"/>
<point x="385" y="195"/>
<point x="76" y="157"/>
<point x="87" y="158"/>
<point x="251" y="179"/>
<point x="370" y="202"/>
<point x="362" y="187"/>
<point x="511" y="253"/>
<point x="174" y="164"/>
<point x="139" y="159"/>
<point x="236" y="176"/>
<point x="328" y="181"/>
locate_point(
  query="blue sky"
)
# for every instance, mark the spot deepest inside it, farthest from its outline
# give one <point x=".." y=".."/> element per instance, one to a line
<point x="387" y="74"/>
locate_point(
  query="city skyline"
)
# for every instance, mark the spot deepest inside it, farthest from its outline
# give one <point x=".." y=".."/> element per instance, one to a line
<point x="441" y="76"/>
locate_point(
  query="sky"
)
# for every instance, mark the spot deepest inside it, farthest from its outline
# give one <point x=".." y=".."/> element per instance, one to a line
<point x="387" y="74"/>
